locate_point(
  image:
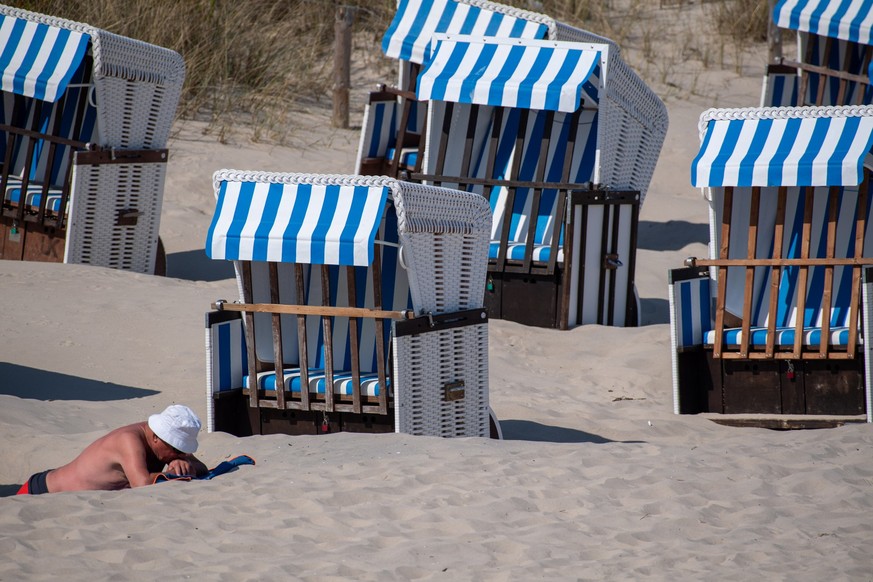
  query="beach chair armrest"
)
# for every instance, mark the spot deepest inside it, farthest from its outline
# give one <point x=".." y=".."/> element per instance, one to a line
<point x="691" y="313"/>
<point x="226" y="359"/>
<point x="440" y="322"/>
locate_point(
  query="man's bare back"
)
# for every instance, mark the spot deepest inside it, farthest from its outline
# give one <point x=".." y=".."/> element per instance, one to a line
<point x="132" y="456"/>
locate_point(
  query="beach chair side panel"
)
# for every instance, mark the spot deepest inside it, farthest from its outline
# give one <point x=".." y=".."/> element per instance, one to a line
<point x="441" y="359"/>
<point x="689" y="295"/>
<point x="115" y="210"/>
<point x="137" y="87"/>
<point x="226" y="366"/>
<point x="632" y="130"/>
<point x="442" y="379"/>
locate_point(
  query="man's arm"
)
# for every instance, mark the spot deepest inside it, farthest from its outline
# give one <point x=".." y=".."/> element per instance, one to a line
<point x="190" y="465"/>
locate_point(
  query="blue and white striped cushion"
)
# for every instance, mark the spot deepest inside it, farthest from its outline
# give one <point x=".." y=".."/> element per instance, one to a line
<point x="780" y="90"/>
<point x="692" y="311"/>
<point x="34" y="195"/>
<point x="515" y="251"/>
<point x="408" y="156"/>
<point x="342" y="382"/>
<point x="229" y="356"/>
<point x="839" y="336"/>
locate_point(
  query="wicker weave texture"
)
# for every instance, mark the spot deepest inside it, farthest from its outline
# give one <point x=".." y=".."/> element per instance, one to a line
<point x="444" y="234"/>
<point x="99" y="194"/>
<point x="424" y="365"/>
<point x="632" y="130"/>
<point x="727" y="114"/>
<point x="515" y="12"/>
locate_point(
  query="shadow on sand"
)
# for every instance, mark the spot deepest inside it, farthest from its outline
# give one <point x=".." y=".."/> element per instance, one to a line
<point x="26" y="382"/>
<point x="654" y="310"/>
<point x="526" y="430"/>
<point x="671" y="235"/>
<point x="196" y="266"/>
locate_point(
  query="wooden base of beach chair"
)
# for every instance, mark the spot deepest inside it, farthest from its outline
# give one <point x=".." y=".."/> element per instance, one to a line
<point x="526" y="299"/>
<point x="28" y="241"/>
<point x="234" y="415"/>
<point x="759" y="386"/>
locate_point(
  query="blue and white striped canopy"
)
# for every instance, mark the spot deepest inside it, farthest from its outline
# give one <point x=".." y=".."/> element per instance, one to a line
<point x="845" y="19"/>
<point x="416" y="21"/>
<point x="296" y="223"/>
<point x="821" y="151"/>
<point x="38" y="60"/>
<point x="543" y="75"/>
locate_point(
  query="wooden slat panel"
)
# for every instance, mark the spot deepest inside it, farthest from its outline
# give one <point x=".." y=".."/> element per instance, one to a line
<point x="468" y="141"/>
<point x="776" y="272"/>
<point x="723" y="253"/>
<point x="860" y="228"/>
<point x="380" y="334"/>
<point x="751" y="251"/>
<point x="327" y="330"/>
<point x="444" y="139"/>
<point x="827" y="292"/>
<point x="276" y="325"/>
<point x="302" y="346"/>
<point x="493" y="142"/>
<point x="354" y="350"/>
<point x="510" y="194"/>
<point x="803" y="276"/>
<point x="545" y="142"/>
<point x="254" y="400"/>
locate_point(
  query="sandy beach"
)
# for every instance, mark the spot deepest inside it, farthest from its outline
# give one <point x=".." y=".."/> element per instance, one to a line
<point x="596" y="479"/>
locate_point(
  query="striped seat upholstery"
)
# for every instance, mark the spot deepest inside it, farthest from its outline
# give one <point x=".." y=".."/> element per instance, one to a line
<point x="34" y="195"/>
<point x="342" y="382"/>
<point x="780" y="89"/>
<point x="784" y="336"/>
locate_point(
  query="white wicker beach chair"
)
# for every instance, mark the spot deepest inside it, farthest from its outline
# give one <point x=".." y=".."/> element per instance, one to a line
<point x="563" y="143"/>
<point x="369" y="285"/>
<point x="834" y="62"/>
<point x="777" y="320"/>
<point x="393" y="116"/>
<point x="84" y="119"/>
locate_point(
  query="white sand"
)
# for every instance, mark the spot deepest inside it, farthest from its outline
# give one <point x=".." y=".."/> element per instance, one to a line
<point x="597" y="479"/>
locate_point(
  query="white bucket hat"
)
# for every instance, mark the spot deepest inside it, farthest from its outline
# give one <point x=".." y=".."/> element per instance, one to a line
<point x="177" y="426"/>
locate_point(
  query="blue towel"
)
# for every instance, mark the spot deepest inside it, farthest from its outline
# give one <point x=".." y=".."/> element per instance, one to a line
<point x="220" y="469"/>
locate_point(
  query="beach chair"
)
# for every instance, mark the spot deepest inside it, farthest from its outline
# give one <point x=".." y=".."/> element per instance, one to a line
<point x="834" y="54"/>
<point x="777" y="320"/>
<point x="563" y="143"/>
<point x="366" y="293"/>
<point x="393" y="114"/>
<point x="84" y="120"/>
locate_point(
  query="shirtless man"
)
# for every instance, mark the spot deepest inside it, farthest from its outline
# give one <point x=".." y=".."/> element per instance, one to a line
<point x="130" y="456"/>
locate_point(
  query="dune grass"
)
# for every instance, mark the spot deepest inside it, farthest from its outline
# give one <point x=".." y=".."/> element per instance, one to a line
<point x="251" y="62"/>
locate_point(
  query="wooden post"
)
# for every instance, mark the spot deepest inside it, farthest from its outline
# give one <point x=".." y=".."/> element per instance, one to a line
<point x="342" y="56"/>
<point x="774" y="36"/>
